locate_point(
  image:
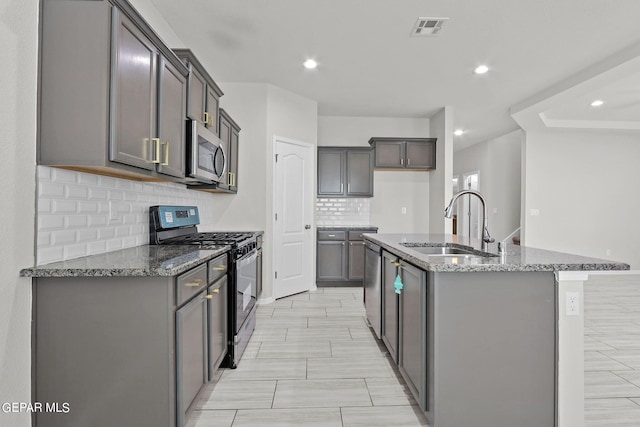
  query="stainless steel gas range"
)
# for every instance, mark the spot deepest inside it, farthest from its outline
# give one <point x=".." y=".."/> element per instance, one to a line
<point x="177" y="225"/>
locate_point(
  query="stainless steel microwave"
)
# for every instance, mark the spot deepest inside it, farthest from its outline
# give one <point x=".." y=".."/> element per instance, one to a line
<point x="206" y="159"/>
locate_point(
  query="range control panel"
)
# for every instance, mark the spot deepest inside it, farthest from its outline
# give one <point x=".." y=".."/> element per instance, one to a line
<point x="176" y="216"/>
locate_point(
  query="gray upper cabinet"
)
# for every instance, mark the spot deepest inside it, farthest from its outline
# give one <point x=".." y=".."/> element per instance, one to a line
<point x="230" y="136"/>
<point x="203" y="97"/>
<point x="345" y="172"/>
<point x="171" y="123"/>
<point x="112" y="94"/>
<point x="134" y="91"/>
<point x="404" y="153"/>
<point x="331" y="168"/>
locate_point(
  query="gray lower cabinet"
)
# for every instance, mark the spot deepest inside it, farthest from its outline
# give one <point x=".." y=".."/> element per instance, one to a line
<point x="217" y="295"/>
<point x="191" y="353"/>
<point x="112" y="94"/>
<point x="405" y="320"/>
<point x="340" y="256"/>
<point x="332" y="260"/>
<point x="127" y="350"/>
<point x="404" y="153"/>
<point x="345" y="172"/>
<point x="390" y="304"/>
<point x="412" y="326"/>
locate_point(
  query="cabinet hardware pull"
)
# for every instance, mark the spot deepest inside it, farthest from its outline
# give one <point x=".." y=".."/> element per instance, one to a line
<point x="341" y="187"/>
<point x="363" y="243"/>
<point x="220" y="268"/>
<point x="408" y="162"/>
<point x="350" y="243"/>
<point x="342" y="243"/>
<point x="233" y="175"/>
<point x="156" y="151"/>
<point x="207" y="119"/>
<point x="195" y="284"/>
<point x="349" y="188"/>
<point x="230" y="179"/>
<point x="394" y="262"/>
<point x="259" y="253"/>
<point x="401" y="161"/>
<point x="331" y="235"/>
<point x="208" y="297"/>
<point x="166" y="154"/>
<point x="216" y="291"/>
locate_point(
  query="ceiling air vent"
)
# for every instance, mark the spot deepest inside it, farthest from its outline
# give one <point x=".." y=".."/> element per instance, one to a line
<point x="427" y="27"/>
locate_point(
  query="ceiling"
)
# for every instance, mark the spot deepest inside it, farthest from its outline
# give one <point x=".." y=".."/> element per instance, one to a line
<point x="370" y="66"/>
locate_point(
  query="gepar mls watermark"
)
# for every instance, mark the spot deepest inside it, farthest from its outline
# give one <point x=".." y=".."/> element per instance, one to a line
<point x="35" y="407"/>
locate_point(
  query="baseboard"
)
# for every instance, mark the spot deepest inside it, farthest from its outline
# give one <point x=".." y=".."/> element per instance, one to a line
<point x="268" y="300"/>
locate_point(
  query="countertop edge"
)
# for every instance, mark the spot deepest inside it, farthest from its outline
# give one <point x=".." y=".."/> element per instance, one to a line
<point x="53" y="270"/>
<point x="439" y="267"/>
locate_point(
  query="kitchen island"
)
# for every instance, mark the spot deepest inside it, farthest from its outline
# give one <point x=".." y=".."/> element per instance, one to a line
<point x="485" y="338"/>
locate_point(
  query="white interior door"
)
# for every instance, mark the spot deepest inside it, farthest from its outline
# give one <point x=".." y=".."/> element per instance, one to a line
<point x="469" y="209"/>
<point x="293" y="203"/>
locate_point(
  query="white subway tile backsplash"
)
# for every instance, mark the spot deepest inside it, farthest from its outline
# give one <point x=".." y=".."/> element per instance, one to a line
<point x="50" y="222"/>
<point x="74" y="215"/>
<point x="76" y="192"/>
<point x="63" y="206"/>
<point x="342" y="211"/>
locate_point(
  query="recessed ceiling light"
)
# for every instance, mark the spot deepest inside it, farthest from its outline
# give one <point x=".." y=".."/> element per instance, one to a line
<point x="458" y="132"/>
<point x="310" y="64"/>
<point x="481" y="69"/>
<point x="597" y="103"/>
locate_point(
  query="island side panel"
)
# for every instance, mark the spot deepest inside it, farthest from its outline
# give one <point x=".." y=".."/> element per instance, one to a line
<point x="105" y="346"/>
<point x="491" y="346"/>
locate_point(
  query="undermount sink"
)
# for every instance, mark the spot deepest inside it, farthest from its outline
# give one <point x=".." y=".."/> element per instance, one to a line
<point x="446" y="250"/>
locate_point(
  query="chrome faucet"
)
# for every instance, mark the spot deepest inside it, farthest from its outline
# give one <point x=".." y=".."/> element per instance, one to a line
<point x="486" y="238"/>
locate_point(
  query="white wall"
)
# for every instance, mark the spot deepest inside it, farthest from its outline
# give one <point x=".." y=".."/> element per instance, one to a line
<point x="262" y="111"/>
<point x="584" y="185"/>
<point x="19" y="35"/>
<point x="392" y="189"/>
<point x="441" y="186"/>
<point x="498" y="162"/>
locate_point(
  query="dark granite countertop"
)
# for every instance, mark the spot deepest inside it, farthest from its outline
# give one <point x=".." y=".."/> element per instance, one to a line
<point x="148" y="260"/>
<point x="515" y="258"/>
<point x="346" y="227"/>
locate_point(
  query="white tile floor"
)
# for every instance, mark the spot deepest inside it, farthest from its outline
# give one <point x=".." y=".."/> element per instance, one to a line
<point x="612" y="351"/>
<point x="313" y="361"/>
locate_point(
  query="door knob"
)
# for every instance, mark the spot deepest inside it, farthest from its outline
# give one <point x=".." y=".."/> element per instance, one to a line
<point x="307" y="226"/>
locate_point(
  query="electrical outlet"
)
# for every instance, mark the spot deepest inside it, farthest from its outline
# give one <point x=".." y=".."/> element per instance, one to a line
<point x="403" y="210"/>
<point x="572" y="301"/>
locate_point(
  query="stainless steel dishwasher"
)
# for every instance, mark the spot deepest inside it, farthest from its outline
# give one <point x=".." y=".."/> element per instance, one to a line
<point x="372" y="287"/>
